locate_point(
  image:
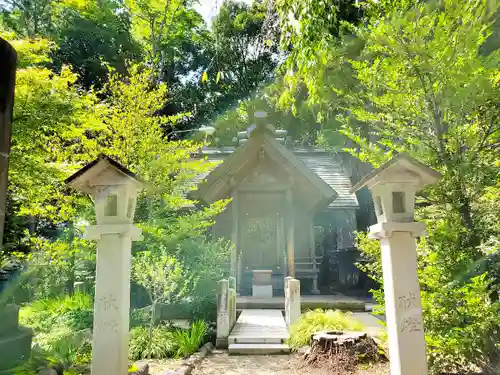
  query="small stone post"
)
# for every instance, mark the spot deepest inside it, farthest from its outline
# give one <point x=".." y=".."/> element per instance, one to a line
<point x="114" y="190"/>
<point x="292" y="300"/>
<point x="223" y="312"/>
<point x="232" y="302"/>
<point x="79" y="287"/>
<point x="393" y="187"/>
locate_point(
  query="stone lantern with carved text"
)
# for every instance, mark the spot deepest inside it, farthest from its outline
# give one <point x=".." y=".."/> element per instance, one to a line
<point x="393" y="187"/>
<point x="114" y="191"/>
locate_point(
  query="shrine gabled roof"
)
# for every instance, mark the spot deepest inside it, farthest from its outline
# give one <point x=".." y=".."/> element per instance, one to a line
<point x="321" y="162"/>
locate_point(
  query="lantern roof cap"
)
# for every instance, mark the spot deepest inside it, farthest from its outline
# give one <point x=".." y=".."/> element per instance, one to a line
<point x="401" y="163"/>
<point x="89" y="176"/>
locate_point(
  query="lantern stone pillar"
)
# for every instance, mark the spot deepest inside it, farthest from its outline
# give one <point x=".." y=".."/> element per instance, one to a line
<point x="114" y="191"/>
<point x="393" y="188"/>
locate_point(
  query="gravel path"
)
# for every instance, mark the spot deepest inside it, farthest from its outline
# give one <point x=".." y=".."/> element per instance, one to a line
<point x="219" y="363"/>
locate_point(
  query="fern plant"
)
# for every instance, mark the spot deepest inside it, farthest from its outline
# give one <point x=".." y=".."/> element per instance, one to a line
<point x="188" y="341"/>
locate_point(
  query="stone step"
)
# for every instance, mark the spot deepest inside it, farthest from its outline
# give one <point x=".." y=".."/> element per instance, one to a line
<point x="257" y="340"/>
<point x="258" y="349"/>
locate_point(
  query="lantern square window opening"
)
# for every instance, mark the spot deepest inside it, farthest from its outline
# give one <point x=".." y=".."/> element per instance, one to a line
<point x="111" y="208"/>
<point x="398" y="202"/>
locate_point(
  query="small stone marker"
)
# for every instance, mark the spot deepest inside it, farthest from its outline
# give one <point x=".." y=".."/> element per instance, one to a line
<point x="114" y="191"/>
<point x="223" y="321"/>
<point x="79" y="287"/>
<point x="292" y="300"/>
<point x="232" y="301"/>
<point x="393" y="188"/>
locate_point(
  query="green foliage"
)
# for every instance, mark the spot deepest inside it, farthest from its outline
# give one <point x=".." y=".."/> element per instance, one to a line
<point x="416" y="76"/>
<point x="62" y="327"/>
<point x="240" y="55"/>
<point x="27" y="18"/>
<point x="320" y="320"/>
<point x="461" y="321"/>
<point x="161" y="344"/>
<point x="125" y="127"/>
<point x="158" y="274"/>
<point x="140" y="317"/>
<point x="462" y="327"/>
<point x="188" y="341"/>
<point x="91" y="36"/>
<point x="202" y="307"/>
<point x="72" y="311"/>
<point x="165" y="341"/>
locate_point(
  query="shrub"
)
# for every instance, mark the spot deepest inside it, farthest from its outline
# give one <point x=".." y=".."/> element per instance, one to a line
<point x="320" y="320"/>
<point x="462" y="328"/>
<point x="140" y="317"/>
<point x="62" y="327"/>
<point x="203" y="308"/>
<point x="162" y="344"/>
<point x="65" y="345"/>
<point x="188" y="341"/>
<point x="74" y="311"/>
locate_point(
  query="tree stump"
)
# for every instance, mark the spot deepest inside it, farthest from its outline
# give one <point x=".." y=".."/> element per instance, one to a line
<point x="341" y="351"/>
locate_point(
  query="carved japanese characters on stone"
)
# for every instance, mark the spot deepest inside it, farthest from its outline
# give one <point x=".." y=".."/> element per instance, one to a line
<point x="408" y="301"/>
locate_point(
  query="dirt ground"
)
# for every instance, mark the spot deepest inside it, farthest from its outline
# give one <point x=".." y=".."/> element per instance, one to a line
<point x="219" y="363"/>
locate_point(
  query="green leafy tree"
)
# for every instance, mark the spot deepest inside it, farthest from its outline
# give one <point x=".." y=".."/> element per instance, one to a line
<point x="90" y="37"/>
<point x="159" y="274"/>
<point x="58" y="128"/>
<point x="152" y="22"/>
<point x="235" y="59"/>
<point x="418" y="78"/>
<point x="29" y="18"/>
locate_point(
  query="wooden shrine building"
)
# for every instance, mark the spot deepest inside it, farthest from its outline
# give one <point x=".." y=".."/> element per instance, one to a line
<point x="291" y="211"/>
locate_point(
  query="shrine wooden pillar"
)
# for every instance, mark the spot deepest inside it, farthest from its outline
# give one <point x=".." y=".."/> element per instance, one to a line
<point x="234" y="233"/>
<point x="235" y="258"/>
<point x="290" y="232"/>
<point x="312" y="245"/>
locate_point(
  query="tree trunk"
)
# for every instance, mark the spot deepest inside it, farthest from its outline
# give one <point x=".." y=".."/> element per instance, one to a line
<point x="72" y="261"/>
<point x="151" y="324"/>
<point x="341" y="351"/>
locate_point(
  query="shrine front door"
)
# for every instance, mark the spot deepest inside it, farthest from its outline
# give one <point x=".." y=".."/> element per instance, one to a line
<point x="261" y="229"/>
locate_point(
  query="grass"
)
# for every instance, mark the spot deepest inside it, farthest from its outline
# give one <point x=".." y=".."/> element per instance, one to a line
<point x="166" y="342"/>
<point x="42" y="315"/>
<point x="320" y="320"/>
<point x="62" y="326"/>
<point x="189" y="341"/>
<point x="162" y="343"/>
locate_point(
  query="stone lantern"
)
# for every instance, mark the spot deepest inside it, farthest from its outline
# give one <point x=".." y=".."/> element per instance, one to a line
<point x="114" y="191"/>
<point x="393" y="188"/>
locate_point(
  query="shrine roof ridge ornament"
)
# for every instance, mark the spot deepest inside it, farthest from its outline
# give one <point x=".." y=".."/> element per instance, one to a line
<point x="421" y="174"/>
